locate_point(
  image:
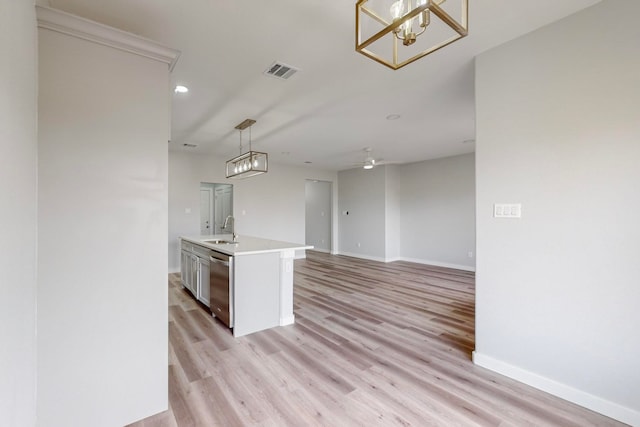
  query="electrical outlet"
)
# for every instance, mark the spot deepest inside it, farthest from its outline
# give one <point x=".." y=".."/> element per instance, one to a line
<point x="359" y="244"/>
<point x="470" y="254"/>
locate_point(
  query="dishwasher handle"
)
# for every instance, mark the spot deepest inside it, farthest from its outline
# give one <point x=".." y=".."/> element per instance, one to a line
<point x="219" y="261"/>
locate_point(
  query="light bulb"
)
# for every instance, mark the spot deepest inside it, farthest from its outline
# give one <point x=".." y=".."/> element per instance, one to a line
<point x="397" y="9"/>
<point x="255" y="162"/>
<point x="423" y="18"/>
<point x="406" y="26"/>
<point x="235" y="168"/>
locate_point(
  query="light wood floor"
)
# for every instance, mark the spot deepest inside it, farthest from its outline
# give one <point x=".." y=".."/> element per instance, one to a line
<point x="374" y="344"/>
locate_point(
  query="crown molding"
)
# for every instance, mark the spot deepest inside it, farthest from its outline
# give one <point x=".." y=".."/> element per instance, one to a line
<point x="85" y="29"/>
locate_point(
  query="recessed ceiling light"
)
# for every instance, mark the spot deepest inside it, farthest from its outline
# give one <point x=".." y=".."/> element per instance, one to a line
<point x="393" y="116"/>
<point x="181" y="89"/>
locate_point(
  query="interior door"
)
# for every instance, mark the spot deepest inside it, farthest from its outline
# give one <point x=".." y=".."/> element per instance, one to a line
<point x="318" y="215"/>
<point x="206" y="201"/>
<point x="223" y="208"/>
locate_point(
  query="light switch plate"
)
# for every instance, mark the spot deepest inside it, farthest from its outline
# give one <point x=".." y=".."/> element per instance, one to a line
<point x="507" y="210"/>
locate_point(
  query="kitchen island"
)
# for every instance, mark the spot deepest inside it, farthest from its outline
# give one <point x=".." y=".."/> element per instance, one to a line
<point x="260" y="279"/>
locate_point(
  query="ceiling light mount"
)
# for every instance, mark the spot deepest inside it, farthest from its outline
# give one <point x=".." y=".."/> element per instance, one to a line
<point x="369" y="161"/>
<point x="385" y="23"/>
<point x="247" y="164"/>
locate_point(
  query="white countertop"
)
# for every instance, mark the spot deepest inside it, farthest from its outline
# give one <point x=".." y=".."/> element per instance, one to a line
<point x="245" y="245"/>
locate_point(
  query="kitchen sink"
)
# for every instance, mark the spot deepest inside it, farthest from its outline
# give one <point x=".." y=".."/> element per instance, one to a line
<point x="219" y="242"/>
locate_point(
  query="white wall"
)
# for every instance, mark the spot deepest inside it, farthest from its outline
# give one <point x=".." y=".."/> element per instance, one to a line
<point x="393" y="212"/>
<point x="318" y="214"/>
<point x="421" y="212"/>
<point x="102" y="218"/>
<point x="361" y="193"/>
<point x="18" y="166"/>
<point x="558" y="130"/>
<point x="437" y="205"/>
<point x="270" y="205"/>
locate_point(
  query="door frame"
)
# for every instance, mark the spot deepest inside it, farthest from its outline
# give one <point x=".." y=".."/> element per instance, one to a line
<point x="211" y="207"/>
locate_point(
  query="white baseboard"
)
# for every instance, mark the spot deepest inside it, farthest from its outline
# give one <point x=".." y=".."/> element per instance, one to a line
<point x="288" y="320"/>
<point x="325" y="251"/>
<point x="368" y="257"/>
<point x="438" y="263"/>
<point x="579" y="397"/>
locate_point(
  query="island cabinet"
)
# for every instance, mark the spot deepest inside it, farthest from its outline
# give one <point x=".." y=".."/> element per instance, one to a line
<point x="188" y="270"/>
<point x="253" y="291"/>
<point x="256" y="292"/>
<point x="194" y="270"/>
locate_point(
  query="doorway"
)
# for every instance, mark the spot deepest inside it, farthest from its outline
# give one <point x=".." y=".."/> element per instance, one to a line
<point x="206" y="207"/>
<point x="318" y="215"/>
<point x="216" y="204"/>
<point x="223" y="202"/>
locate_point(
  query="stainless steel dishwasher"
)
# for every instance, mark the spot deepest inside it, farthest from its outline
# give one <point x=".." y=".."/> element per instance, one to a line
<point x="220" y="283"/>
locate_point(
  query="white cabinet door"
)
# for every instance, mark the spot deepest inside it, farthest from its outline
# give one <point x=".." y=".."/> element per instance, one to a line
<point x="189" y="271"/>
<point x="203" y="281"/>
<point x="185" y="270"/>
<point x="194" y="275"/>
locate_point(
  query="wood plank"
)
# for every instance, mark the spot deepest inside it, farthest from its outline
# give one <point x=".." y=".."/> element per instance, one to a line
<point x="373" y="344"/>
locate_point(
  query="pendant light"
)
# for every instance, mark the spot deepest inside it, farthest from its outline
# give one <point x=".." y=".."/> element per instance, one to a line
<point x="397" y="32"/>
<point x="247" y="164"/>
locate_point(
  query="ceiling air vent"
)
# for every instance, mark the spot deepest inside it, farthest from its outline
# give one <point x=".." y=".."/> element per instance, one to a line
<point x="281" y="71"/>
<point x="189" y="145"/>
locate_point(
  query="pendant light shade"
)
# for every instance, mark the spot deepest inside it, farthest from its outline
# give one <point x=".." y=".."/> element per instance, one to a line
<point x="397" y="32"/>
<point x="250" y="163"/>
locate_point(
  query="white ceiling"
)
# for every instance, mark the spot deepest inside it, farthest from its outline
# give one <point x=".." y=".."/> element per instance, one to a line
<point x="338" y="103"/>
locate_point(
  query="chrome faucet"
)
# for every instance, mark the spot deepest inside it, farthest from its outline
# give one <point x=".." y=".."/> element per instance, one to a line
<point x="233" y="226"/>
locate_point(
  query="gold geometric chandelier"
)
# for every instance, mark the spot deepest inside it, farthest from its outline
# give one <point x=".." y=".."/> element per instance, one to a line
<point x="250" y="163"/>
<point x="420" y="26"/>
